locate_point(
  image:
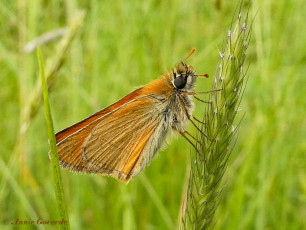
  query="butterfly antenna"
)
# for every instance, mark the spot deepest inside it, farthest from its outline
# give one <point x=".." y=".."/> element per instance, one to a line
<point x="204" y="75"/>
<point x="190" y="53"/>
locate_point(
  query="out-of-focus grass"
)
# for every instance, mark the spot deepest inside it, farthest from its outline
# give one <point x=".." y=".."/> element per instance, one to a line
<point x="125" y="44"/>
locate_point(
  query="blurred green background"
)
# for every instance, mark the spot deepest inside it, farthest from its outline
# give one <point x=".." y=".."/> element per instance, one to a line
<point x="120" y="46"/>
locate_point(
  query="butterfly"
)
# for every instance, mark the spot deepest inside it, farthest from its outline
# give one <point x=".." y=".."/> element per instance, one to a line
<point x="122" y="139"/>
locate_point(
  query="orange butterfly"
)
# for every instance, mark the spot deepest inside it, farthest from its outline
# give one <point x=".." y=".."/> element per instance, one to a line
<point x="121" y="139"/>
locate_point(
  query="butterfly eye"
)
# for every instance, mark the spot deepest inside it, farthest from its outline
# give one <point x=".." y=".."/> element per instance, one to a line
<point x="180" y="82"/>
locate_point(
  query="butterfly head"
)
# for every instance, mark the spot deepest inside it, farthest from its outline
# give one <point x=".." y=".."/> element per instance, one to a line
<point x="183" y="77"/>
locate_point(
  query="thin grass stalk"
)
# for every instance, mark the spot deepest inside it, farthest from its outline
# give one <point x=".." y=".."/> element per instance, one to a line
<point x="205" y="182"/>
<point x="157" y="201"/>
<point x="58" y="184"/>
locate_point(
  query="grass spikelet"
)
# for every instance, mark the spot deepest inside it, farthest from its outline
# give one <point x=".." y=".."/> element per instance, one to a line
<point x="205" y="181"/>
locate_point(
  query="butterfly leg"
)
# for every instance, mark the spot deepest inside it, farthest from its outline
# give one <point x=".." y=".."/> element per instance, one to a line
<point x="182" y="104"/>
<point x="193" y="145"/>
<point x="195" y="93"/>
<point x="203" y="123"/>
<point x="199" y="99"/>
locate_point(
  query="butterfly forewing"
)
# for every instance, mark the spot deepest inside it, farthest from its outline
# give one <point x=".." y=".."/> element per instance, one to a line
<point x="114" y="143"/>
<point x="74" y="128"/>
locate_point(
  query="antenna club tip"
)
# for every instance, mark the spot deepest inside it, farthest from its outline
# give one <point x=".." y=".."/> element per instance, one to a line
<point x="190" y="53"/>
<point x="204" y="75"/>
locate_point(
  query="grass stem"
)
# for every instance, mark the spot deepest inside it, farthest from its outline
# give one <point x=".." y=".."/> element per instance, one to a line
<point x="58" y="184"/>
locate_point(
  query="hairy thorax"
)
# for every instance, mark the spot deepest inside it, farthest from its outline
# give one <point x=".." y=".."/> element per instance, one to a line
<point x="180" y="114"/>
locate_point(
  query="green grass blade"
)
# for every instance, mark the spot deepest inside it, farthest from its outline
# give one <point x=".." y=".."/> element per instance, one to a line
<point x="58" y="184"/>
